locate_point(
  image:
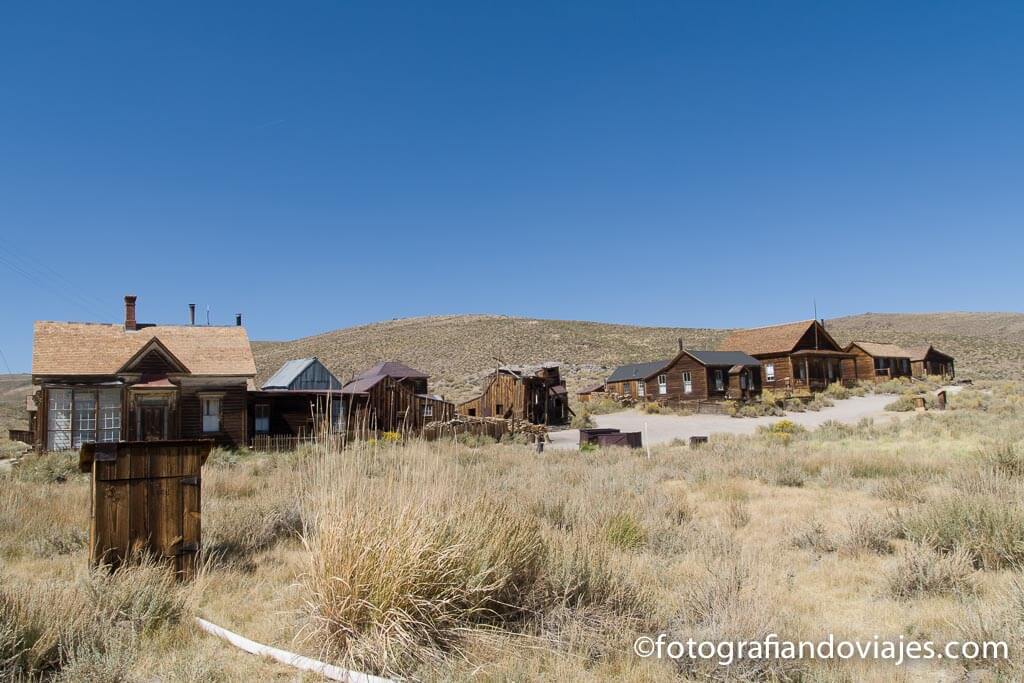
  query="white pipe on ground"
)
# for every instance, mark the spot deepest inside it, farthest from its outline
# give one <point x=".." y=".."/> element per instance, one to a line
<point x="334" y="673"/>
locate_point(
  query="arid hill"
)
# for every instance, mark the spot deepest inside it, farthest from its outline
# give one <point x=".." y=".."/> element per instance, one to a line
<point x="459" y="350"/>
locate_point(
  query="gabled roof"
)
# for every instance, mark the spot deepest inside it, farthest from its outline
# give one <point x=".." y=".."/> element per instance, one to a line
<point x="592" y="388"/>
<point x="723" y="358"/>
<point x="624" y="373"/>
<point x="362" y="385"/>
<point x="393" y="369"/>
<point x="155" y="345"/>
<point x="286" y="374"/>
<point x="771" y="339"/>
<point x="921" y="352"/>
<point x="880" y="350"/>
<point x="97" y="349"/>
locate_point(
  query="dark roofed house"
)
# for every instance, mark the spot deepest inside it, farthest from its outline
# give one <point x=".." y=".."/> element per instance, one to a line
<point x="690" y="376"/>
<point x="139" y="382"/>
<point x="392" y="397"/>
<point x="795" y="357"/>
<point x="535" y="394"/>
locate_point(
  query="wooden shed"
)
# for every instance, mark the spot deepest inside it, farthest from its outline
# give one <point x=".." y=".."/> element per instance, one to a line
<point x="535" y="394"/>
<point x="927" y="361"/>
<point x="795" y="357"/>
<point x="146" y="496"/>
<point x="595" y="390"/>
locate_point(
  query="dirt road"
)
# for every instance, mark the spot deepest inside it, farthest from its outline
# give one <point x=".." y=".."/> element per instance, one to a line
<point x="659" y="429"/>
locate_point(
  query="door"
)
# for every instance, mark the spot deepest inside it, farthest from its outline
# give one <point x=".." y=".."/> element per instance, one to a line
<point x="152" y="422"/>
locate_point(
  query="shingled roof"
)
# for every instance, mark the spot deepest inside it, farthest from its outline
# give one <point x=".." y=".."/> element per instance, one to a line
<point x="638" y="370"/>
<point x="393" y="369"/>
<point x="880" y="350"/>
<point x="729" y="358"/>
<point x="92" y="349"/>
<point x="765" y="340"/>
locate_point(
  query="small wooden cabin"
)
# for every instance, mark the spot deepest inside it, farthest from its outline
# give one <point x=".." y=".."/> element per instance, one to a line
<point x="927" y="360"/>
<point x="595" y="390"/>
<point x="878" y="362"/>
<point x="302" y="395"/>
<point x="691" y="376"/>
<point x="134" y="381"/>
<point x="392" y="397"/>
<point x="535" y="394"/>
<point x="795" y="357"/>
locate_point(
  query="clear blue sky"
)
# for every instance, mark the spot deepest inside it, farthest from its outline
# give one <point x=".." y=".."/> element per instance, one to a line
<point x="322" y="164"/>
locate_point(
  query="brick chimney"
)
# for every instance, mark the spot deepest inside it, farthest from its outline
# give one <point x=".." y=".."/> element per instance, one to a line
<point x="129" y="312"/>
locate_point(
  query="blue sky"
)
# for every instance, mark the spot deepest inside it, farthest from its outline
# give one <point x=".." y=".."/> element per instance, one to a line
<point x="322" y="164"/>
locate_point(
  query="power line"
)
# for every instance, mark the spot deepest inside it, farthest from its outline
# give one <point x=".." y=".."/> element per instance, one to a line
<point x="6" y="364"/>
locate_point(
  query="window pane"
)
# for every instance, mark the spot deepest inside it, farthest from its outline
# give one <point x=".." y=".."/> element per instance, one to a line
<point x="85" y="418"/>
<point x="58" y="420"/>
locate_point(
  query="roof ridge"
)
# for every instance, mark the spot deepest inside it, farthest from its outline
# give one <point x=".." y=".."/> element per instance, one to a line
<point x="765" y="327"/>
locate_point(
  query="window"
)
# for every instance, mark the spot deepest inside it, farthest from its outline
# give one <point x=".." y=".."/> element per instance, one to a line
<point x="58" y="420"/>
<point x="662" y="384"/>
<point x="641" y="388"/>
<point x="687" y="382"/>
<point x="769" y="372"/>
<point x="262" y="418"/>
<point x="499" y="410"/>
<point x="719" y="380"/>
<point x="110" y="415"/>
<point x="85" y="419"/>
<point x="625" y="389"/>
<point x="211" y="413"/>
<point x="428" y="410"/>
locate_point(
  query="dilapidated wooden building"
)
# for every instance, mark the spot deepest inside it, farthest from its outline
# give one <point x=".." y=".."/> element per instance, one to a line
<point x="795" y="357"/>
<point x="878" y="362"/>
<point x="392" y="397"/>
<point x="535" y="394"/>
<point x="692" y="375"/>
<point x="926" y="361"/>
<point x="135" y="381"/>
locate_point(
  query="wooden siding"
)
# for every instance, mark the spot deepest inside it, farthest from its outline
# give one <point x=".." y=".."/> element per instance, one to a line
<point x="702" y="385"/>
<point x="234" y="415"/>
<point x="529" y="398"/>
<point x="862" y="367"/>
<point x="390" y="406"/>
<point x="146" y="496"/>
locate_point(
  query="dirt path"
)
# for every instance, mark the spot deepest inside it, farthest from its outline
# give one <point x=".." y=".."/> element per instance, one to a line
<point x="660" y="429"/>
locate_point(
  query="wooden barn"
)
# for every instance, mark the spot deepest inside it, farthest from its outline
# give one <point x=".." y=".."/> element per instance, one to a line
<point x="795" y="357"/>
<point x="691" y="376"/>
<point x="878" y="362"/>
<point x="928" y="361"/>
<point x="392" y="397"/>
<point x="297" y="399"/>
<point x="535" y="394"/>
<point x="136" y="381"/>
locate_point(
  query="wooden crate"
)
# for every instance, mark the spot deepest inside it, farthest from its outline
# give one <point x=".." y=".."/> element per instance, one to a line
<point x="146" y="497"/>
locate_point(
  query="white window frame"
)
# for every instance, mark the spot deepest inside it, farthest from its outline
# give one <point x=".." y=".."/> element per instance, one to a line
<point x="769" y="372"/>
<point x="212" y="422"/>
<point x="687" y="382"/>
<point x="662" y="384"/>
<point x="428" y="410"/>
<point x="641" y="388"/>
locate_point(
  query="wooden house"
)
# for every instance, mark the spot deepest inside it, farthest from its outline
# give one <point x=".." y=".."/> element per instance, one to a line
<point x="877" y="362"/>
<point x="133" y="381"/>
<point x="392" y="397"/>
<point x="795" y="357"/>
<point x="534" y="394"/>
<point x="690" y="376"/>
<point x="927" y="360"/>
<point x="302" y="395"/>
<point x="595" y="390"/>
